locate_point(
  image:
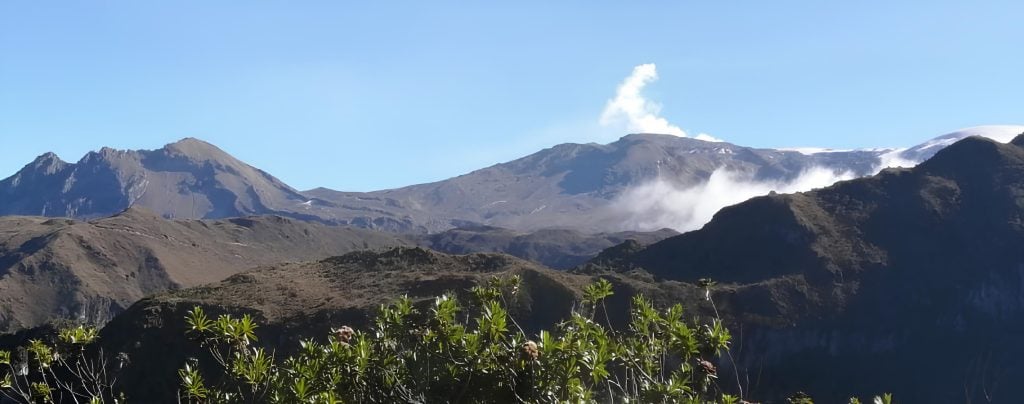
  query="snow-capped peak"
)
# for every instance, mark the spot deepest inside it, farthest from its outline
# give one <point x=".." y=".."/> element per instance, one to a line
<point x="999" y="133"/>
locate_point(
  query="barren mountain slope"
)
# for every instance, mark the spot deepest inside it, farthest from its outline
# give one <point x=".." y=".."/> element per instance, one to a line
<point x="61" y="268"/>
<point x="571" y="185"/>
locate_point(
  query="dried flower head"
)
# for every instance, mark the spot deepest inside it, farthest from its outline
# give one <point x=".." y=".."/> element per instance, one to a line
<point x="707" y="367"/>
<point x="530" y="351"/>
<point x="343" y="334"/>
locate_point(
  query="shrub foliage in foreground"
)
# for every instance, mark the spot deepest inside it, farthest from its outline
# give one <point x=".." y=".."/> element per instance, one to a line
<point x="448" y="352"/>
<point x="471" y="353"/>
<point x="59" y="373"/>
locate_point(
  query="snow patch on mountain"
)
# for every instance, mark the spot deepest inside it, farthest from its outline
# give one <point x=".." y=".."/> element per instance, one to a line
<point x="810" y="151"/>
<point x="924" y="151"/>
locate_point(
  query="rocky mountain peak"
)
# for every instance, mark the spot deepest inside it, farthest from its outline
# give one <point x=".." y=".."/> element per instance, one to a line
<point x="46" y="157"/>
<point x="104" y="155"/>
<point x="46" y="163"/>
<point x="196" y="149"/>
<point x="186" y="179"/>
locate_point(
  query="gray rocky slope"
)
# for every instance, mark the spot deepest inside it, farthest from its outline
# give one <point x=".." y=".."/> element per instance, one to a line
<point x="565" y="186"/>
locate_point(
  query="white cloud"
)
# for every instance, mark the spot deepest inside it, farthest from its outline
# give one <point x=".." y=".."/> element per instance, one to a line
<point x="636" y="114"/>
<point x="660" y="203"/>
<point x="707" y="138"/>
<point x="894" y="159"/>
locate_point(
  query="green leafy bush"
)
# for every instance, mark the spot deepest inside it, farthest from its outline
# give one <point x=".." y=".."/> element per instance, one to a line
<point x="471" y="353"/>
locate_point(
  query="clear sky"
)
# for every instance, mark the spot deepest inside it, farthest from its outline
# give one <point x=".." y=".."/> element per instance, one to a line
<point x="363" y="95"/>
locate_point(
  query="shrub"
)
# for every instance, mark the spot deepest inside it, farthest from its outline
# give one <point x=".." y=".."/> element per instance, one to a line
<point x="472" y="352"/>
<point x="449" y="351"/>
<point x="61" y="372"/>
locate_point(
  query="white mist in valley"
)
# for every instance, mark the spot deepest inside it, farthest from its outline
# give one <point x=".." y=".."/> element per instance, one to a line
<point x="660" y="203"/>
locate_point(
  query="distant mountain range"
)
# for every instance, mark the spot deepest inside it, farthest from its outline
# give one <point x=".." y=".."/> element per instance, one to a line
<point x="568" y="186"/>
<point x="909" y="281"/>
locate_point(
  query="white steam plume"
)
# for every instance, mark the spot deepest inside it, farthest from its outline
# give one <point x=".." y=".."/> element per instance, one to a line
<point x="629" y="108"/>
<point x="660" y="203"/>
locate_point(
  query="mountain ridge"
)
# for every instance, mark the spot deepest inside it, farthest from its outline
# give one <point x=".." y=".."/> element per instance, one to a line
<point x="874" y="278"/>
<point x="189" y="179"/>
<point x="567" y="185"/>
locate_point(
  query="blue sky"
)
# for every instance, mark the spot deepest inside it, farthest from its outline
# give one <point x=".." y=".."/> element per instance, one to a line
<point x="359" y="96"/>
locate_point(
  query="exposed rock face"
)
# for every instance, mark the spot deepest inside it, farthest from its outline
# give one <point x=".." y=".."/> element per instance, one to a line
<point x="54" y="269"/>
<point x="911" y="281"/>
<point x="186" y="179"/>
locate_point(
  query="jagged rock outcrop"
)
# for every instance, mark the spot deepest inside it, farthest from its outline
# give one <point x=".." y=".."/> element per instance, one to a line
<point x="186" y="179"/>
